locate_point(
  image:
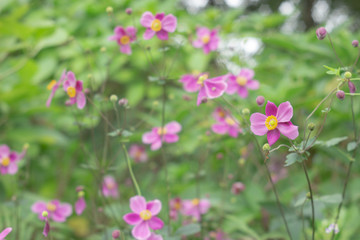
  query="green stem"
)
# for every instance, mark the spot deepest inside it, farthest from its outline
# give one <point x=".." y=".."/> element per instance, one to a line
<point x="311" y="199"/>
<point x="131" y="171"/>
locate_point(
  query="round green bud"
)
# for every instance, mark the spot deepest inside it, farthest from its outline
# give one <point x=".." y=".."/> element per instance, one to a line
<point x="109" y="10"/>
<point x="266" y="147"/>
<point x="308" y="195"/>
<point x="81" y="194"/>
<point x="113" y="98"/>
<point x="311" y="126"/>
<point x="347" y="75"/>
<point x="241" y="161"/>
<point x="44" y="213"/>
<point x="245" y="111"/>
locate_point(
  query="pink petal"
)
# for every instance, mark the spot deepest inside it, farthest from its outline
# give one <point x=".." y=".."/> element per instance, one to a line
<point x="253" y="84"/>
<point x="119" y="31"/>
<point x="154" y="207"/>
<point x="4" y="233"/>
<point x="156" y="223"/>
<point x="243" y="92"/>
<point x="162" y="35"/>
<point x="150" y="137"/>
<point x="206" y="49"/>
<point x="38" y="207"/>
<point x="146" y="19"/>
<point x="288" y="130"/>
<point x="233" y="132"/>
<point x="160" y="16"/>
<point x="173" y="127"/>
<point x="214" y="89"/>
<point x="171" y="138"/>
<point x="156" y="145"/>
<point x="65" y="209"/>
<point x="219" y="128"/>
<point x="80" y="100"/>
<point x="125" y="49"/>
<point x="204" y="206"/>
<point x="58" y="217"/>
<point x="270" y="109"/>
<point x="232" y="85"/>
<point x="201" y="96"/>
<point x="70" y="81"/>
<point x="141" y="231"/>
<point x="273" y="136"/>
<point x="169" y="23"/>
<point x="131" y="31"/>
<point x="258" y="126"/>
<point x="247" y="73"/>
<point x="4" y="150"/>
<point x="285" y="112"/>
<point x="12" y="168"/>
<point x="198" y="43"/>
<point x="148" y="34"/>
<point x="80" y="206"/>
<point x="132" y="218"/>
<point x="202" y="31"/>
<point x="137" y="204"/>
<point x="214" y="43"/>
<point x="190" y="83"/>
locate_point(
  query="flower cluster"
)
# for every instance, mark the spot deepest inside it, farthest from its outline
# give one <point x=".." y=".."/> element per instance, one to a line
<point x="226" y="123"/>
<point x="193" y="208"/>
<point x="9" y="160"/>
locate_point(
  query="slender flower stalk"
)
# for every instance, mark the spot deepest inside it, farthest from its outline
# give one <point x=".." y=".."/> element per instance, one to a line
<point x="131" y="171"/>
<point x="311" y="199"/>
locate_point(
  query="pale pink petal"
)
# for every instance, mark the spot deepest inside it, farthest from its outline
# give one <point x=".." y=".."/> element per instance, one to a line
<point x="243" y="92"/>
<point x="125" y="49"/>
<point x="220" y="128"/>
<point x="119" y="31"/>
<point x="146" y="19"/>
<point x="156" y="145"/>
<point x="80" y="206"/>
<point x="137" y="204"/>
<point x="4" y="150"/>
<point x="4" y="233"/>
<point x="38" y="207"/>
<point x="131" y="31"/>
<point x="270" y="109"/>
<point x="198" y="43"/>
<point x="233" y="132"/>
<point x="162" y="35"/>
<point x="12" y="168"/>
<point x="247" y="73"/>
<point x="258" y="126"/>
<point x="253" y="84"/>
<point x="150" y="137"/>
<point x="173" y="127"/>
<point x="65" y="209"/>
<point x="141" y="231"/>
<point x="70" y="101"/>
<point x="169" y="23"/>
<point x="204" y="206"/>
<point x="232" y="85"/>
<point x="148" y="34"/>
<point x="132" y="218"/>
<point x="113" y="38"/>
<point x="201" y="96"/>
<point x="58" y="217"/>
<point x="154" y="207"/>
<point x="190" y="83"/>
<point x="214" y="89"/>
<point x="285" y="112"/>
<point x="80" y="100"/>
<point x="214" y="43"/>
<point x="171" y="138"/>
<point x="70" y="81"/>
<point x="156" y="223"/>
<point x="273" y="136"/>
<point x="288" y="130"/>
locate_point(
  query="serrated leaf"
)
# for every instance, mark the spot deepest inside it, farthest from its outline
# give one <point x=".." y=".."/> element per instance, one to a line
<point x="335" y="141"/>
<point x="292" y="158"/>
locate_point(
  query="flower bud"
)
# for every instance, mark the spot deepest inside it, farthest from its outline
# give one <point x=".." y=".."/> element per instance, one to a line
<point x="347" y="75"/>
<point x="260" y="100"/>
<point x="128" y="11"/>
<point x="123" y="102"/>
<point x="321" y="33"/>
<point x="311" y="126"/>
<point x="81" y="194"/>
<point x="241" y="162"/>
<point x="355" y="43"/>
<point x="44" y="214"/>
<point x="109" y="10"/>
<point x="308" y="195"/>
<point x="266" y="147"/>
<point x="340" y="95"/>
<point x="245" y="111"/>
<point x="352" y="87"/>
<point x="116" y="234"/>
<point x="113" y="98"/>
<point x="79" y="188"/>
<point x="237" y="188"/>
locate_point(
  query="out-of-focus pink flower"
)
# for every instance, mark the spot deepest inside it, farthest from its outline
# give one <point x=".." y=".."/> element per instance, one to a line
<point x="175" y="207"/>
<point x="153" y="236"/>
<point x="190" y="81"/>
<point x="5" y="232"/>
<point x="159" y="24"/>
<point x="144" y="217"/>
<point x="57" y="211"/>
<point x="195" y="207"/>
<point x="9" y="160"/>
<point x="110" y="187"/>
<point x="167" y="134"/>
<point x="352" y="87"/>
<point x="47" y="224"/>
<point x="321" y="33"/>
<point x="124" y="37"/>
<point x="116" y="234"/>
<point x="210" y="87"/>
<point x="74" y="89"/>
<point x="138" y="153"/>
<point x="237" y="188"/>
<point x="53" y="86"/>
<point x="241" y="83"/>
<point x="218" y="235"/>
<point x="80" y="204"/>
<point x="226" y="123"/>
<point x="276" y="121"/>
<point x="207" y="39"/>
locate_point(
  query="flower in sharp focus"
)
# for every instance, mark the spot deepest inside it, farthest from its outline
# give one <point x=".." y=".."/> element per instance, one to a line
<point x="9" y="160"/>
<point x="190" y="81"/>
<point x="57" y="211"/>
<point x="195" y="208"/>
<point x="160" y="24"/>
<point x="167" y="134"/>
<point x="226" y="123"/>
<point x="207" y="39"/>
<point x="5" y="232"/>
<point x="123" y="37"/>
<point x="210" y="87"/>
<point x="275" y="122"/>
<point x="80" y="204"/>
<point x="138" y="153"/>
<point x="144" y="217"/>
<point x="74" y="89"/>
<point x="332" y="228"/>
<point x="110" y="187"/>
<point x="242" y="82"/>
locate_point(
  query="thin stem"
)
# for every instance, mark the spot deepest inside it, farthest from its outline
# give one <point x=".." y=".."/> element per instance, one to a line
<point x="130" y="170"/>
<point x="311" y="199"/>
<point x="336" y="56"/>
<point x="302" y="218"/>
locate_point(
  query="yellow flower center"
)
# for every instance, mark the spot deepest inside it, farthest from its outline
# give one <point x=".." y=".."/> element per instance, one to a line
<point x="124" y="40"/>
<point x="145" y="215"/>
<point x="241" y="81"/>
<point x="221" y="114"/>
<point x="230" y="121"/>
<point x="51" y="84"/>
<point x="201" y="79"/>
<point x="271" y="122"/>
<point x="71" y="91"/>
<point x="110" y="185"/>
<point x="156" y="25"/>
<point x="177" y="206"/>
<point x="5" y="161"/>
<point x="162" y="131"/>
<point x="205" y="39"/>
<point x="195" y="201"/>
<point x="51" y="207"/>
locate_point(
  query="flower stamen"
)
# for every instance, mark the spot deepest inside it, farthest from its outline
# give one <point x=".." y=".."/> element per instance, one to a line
<point x="124" y="40"/>
<point x="161" y="131"/>
<point x="156" y="25"/>
<point x="71" y="91"/>
<point x="145" y="215"/>
<point x="51" y="207"/>
<point x="195" y="201"/>
<point x="205" y="39"/>
<point x="242" y="81"/>
<point x="5" y="161"/>
<point x="271" y="122"/>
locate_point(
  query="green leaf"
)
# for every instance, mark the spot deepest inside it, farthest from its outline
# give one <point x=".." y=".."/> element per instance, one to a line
<point x="188" y="229"/>
<point x="115" y="133"/>
<point x="332" y="71"/>
<point x="335" y="141"/>
<point x="351" y="146"/>
<point x="332" y="199"/>
<point x="292" y="158"/>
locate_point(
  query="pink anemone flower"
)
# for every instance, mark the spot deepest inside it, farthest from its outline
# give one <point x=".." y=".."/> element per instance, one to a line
<point x="242" y="83"/>
<point x="210" y="87"/>
<point x="190" y="81"/>
<point x="138" y="153"/>
<point x="175" y="207"/>
<point x="4" y="233"/>
<point x="9" y="159"/>
<point x="80" y="204"/>
<point x="57" y="211"/>
<point x="276" y="121"/>
<point x="124" y="37"/>
<point x="74" y="89"/>
<point x="159" y="24"/>
<point x="207" y="39"/>
<point x="110" y="187"/>
<point x="226" y="123"/>
<point x="144" y="217"/>
<point x="167" y="134"/>
<point x="53" y="86"/>
<point x="195" y="207"/>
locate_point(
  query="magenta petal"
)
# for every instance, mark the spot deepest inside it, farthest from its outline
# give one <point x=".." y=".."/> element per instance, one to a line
<point x="169" y="23"/>
<point x="288" y="130"/>
<point x="247" y="73"/>
<point x="80" y="100"/>
<point x="201" y="96"/>
<point x="233" y="132"/>
<point x="149" y="137"/>
<point x="162" y="35"/>
<point x="156" y="145"/>
<point x="270" y="109"/>
<point x="273" y="136"/>
<point x="12" y="168"/>
<point x="38" y="207"/>
<point x="4" y="233"/>
<point x="132" y="218"/>
<point x="171" y="138"/>
<point x="243" y="92"/>
<point x="119" y="31"/>
<point x="204" y="206"/>
<point x="146" y="19"/>
<point x="137" y="204"/>
<point x="148" y="34"/>
<point x="141" y="231"/>
<point x="258" y="126"/>
<point x="160" y="16"/>
<point x="253" y="84"/>
<point x="80" y="206"/>
<point x="154" y="207"/>
<point x="125" y="49"/>
<point x="173" y="127"/>
<point x="156" y="223"/>
<point x="285" y="112"/>
<point x="132" y="32"/>
<point x="219" y="128"/>
<point x="46" y="228"/>
<point x="214" y="89"/>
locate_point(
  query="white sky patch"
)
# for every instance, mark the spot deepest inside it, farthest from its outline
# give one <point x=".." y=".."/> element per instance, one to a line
<point x="320" y="11"/>
<point x="287" y="8"/>
<point x="193" y="6"/>
<point x="234" y="3"/>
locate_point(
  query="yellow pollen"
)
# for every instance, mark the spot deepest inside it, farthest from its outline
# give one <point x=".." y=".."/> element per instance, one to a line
<point x="156" y="25"/>
<point x="145" y="215"/>
<point x="124" y="40"/>
<point x="51" y="207"/>
<point x="177" y="206"/>
<point x="110" y="185"/>
<point x="202" y="78"/>
<point x="221" y="114"/>
<point x="195" y="201"/>
<point x="230" y="121"/>
<point x="271" y="122"/>
<point x="5" y="161"/>
<point x="241" y="81"/>
<point x="205" y="39"/>
<point x="71" y="91"/>
<point x="51" y="84"/>
<point x="162" y="131"/>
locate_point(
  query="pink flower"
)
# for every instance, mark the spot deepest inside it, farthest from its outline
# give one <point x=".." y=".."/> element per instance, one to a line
<point x="160" y="25"/>
<point x="46" y="227"/>
<point x="210" y="87"/>
<point x="53" y="86"/>
<point x="144" y="217"/>
<point x="157" y="135"/>
<point x="195" y="207"/>
<point x="4" y="233"/>
<point x="276" y="121"/>
<point x="242" y="82"/>
<point x="237" y="188"/>
<point x="110" y="187"/>
<point x="226" y="123"/>
<point x="153" y="236"/>
<point x="80" y="204"/>
<point x="57" y="211"/>
<point x="175" y="207"/>
<point x="207" y="39"/>
<point x="138" y="153"/>
<point x="190" y="81"/>
<point x="74" y="89"/>
<point x="9" y="159"/>
<point x="124" y="37"/>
